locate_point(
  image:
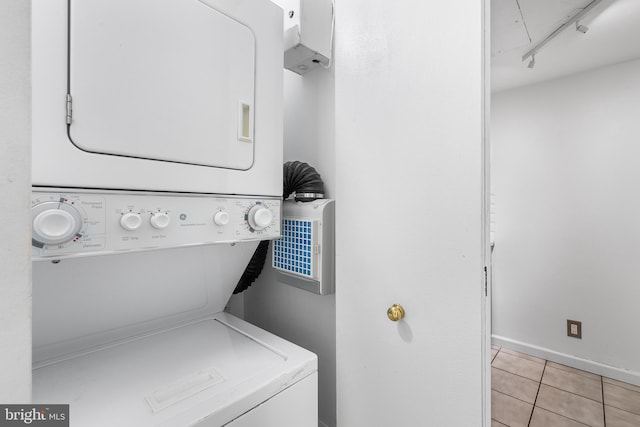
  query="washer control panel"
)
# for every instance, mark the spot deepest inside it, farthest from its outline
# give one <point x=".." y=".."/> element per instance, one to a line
<point x="70" y="223"/>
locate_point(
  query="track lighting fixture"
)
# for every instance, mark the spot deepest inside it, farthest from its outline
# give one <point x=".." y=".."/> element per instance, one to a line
<point x="582" y="28"/>
<point x="532" y="63"/>
<point x="573" y="19"/>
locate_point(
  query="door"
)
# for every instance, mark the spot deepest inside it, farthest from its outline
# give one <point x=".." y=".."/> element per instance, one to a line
<point x="410" y="214"/>
<point x="167" y="80"/>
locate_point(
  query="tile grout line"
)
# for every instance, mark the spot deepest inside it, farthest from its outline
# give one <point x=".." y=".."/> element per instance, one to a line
<point x="613" y="404"/>
<point x="621" y="384"/>
<point x="568" y="392"/>
<point x="524" y="358"/>
<point x="575" y="394"/>
<point x="533" y="408"/>
<point x="562" y="416"/>
<point x="494" y="357"/>
<point x="548" y="410"/>
<point x="513" y="397"/>
<point x="588" y="377"/>
<point x="513" y="373"/>
<point x="604" y="412"/>
<point x="622" y="409"/>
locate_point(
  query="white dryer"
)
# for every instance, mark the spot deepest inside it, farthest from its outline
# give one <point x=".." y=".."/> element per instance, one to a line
<point x="164" y="95"/>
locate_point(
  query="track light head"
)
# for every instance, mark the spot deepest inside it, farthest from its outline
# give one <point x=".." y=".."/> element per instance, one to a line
<point x="532" y="63"/>
<point x="582" y="28"/>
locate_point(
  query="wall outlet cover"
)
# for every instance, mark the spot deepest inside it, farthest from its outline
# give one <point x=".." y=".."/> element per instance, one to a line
<point x="574" y="328"/>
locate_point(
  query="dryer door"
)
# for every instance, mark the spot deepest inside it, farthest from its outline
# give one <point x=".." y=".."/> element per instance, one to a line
<point x="168" y="80"/>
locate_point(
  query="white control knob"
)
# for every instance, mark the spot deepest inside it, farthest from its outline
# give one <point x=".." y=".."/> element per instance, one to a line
<point x="131" y="221"/>
<point x="259" y="217"/>
<point x="221" y="218"/>
<point x="55" y="226"/>
<point x="159" y="220"/>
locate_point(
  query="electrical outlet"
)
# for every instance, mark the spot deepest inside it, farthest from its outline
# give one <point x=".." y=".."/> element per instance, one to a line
<point x="574" y="329"/>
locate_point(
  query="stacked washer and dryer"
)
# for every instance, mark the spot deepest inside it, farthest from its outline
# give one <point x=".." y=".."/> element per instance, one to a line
<point x="157" y="169"/>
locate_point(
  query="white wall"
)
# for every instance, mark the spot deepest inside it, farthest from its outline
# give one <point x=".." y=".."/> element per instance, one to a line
<point x="15" y="186"/>
<point x="565" y="171"/>
<point x="299" y="316"/>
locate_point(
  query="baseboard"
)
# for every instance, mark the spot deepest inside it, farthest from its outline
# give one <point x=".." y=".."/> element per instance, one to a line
<point x="631" y="377"/>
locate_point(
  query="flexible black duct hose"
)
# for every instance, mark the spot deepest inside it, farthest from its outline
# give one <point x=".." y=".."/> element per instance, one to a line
<point x="299" y="178"/>
<point x="254" y="268"/>
<point x="302" y="179"/>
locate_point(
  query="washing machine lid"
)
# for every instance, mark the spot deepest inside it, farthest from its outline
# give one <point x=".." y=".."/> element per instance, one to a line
<point x="161" y="80"/>
<point x="125" y="295"/>
<point x="215" y="369"/>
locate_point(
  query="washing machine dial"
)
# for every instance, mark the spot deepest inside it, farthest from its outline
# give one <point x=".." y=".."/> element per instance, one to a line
<point x="55" y="223"/>
<point x="131" y="221"/>
<point x="259" y="217"/>
<point x="159" y="220"/>
<point x="221" y="218"/>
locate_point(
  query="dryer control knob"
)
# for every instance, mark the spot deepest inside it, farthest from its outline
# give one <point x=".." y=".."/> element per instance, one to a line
<point x="131" y="221"/>
<point x="55" y="226"/>
<point x="159" y="220"/>
<point x="221" y="218"/>
<point x="259" y="217"/>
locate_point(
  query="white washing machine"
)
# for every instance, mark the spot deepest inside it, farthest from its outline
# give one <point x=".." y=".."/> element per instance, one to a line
<point x="217" y="371"/>
<point x="157" y="168"/>
<point x="139" y="337"/>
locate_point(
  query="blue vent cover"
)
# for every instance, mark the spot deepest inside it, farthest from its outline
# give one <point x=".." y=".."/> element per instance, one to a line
<point x="293" y="252"/>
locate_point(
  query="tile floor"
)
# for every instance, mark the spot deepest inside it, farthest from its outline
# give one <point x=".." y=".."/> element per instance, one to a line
<point x="532" y="392"/>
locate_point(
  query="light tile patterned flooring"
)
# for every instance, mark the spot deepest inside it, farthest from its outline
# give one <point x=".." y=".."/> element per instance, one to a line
<point x="530" y="392"/>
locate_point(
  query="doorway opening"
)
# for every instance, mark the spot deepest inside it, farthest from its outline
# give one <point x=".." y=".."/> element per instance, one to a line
<point x="563" y="129"/>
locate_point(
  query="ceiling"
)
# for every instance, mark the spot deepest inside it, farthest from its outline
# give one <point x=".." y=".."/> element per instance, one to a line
<point x="518" y="25"/>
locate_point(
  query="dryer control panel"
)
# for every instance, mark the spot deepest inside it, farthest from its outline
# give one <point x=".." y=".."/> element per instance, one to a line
<point x="77" y="222"/>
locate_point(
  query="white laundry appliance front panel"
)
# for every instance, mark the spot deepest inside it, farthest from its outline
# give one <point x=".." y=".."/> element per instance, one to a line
<point x="81" y="222"/>
<point x="170" y="95"/>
